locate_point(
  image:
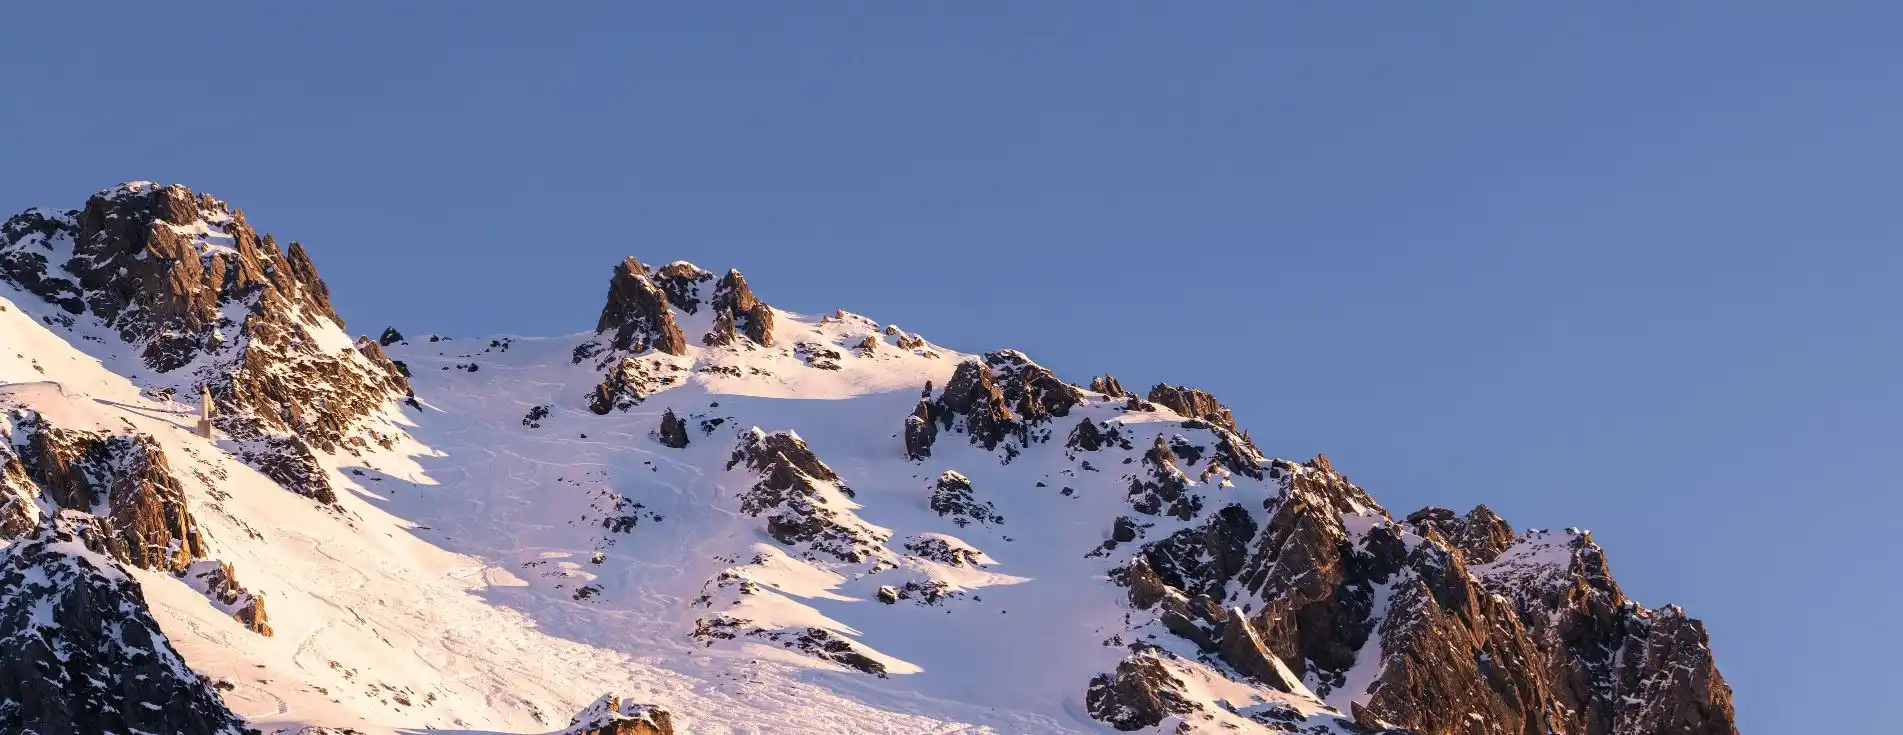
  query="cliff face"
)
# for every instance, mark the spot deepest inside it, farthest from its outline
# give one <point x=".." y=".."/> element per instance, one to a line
<point x="181" y="285"/>
<point x="1439" y="624"/>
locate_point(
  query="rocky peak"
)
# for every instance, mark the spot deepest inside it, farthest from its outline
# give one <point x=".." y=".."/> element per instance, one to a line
<point x="1108" y="385"/>
<point x="1193" y="403"/>
<point x="972" y="401"/>
<point x="738" y="312"/>
<point x="186" y="281"/>
<point x="637" y="314"/>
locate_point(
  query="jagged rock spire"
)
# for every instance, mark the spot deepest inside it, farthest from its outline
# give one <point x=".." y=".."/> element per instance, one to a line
<point x="637" y="313"/>
<point x="738" y="312"/>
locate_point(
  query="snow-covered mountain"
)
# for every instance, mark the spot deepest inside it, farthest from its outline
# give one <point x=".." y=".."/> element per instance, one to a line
<point x="710" y="515"/>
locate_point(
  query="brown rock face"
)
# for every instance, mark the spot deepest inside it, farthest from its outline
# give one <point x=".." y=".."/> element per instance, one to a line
<point x="19" y="513"/>
<point x="1193" y="403"/>
<point x="1108" y="385"/>
<point x="1460" y="618"/>
<point x="737" y="313"/>
<point x="637" y="314"/>
<point x="117" y="493"/>
<point x="127" y="476"/>
<point x="1033" y="390"/>
<point x="1480" y="536"/>
<point x="973" y="395"/>
<point x="164" y="268"/>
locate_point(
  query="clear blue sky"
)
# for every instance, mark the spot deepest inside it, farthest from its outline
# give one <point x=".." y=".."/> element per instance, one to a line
<point x="1632" y="266"/>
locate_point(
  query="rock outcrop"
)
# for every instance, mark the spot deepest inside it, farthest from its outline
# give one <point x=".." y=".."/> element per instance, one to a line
<point x="1139" y="694"/>
<point x="80" y="652"/>
<point x="636" y="317"/>
<point x="921" y="430"/>
<point x="1193" y="403"/>
<point x="1448" y="618"/>
<point x="120" y="489"/>
<point x="610" y="715"/>
<point x="126" y="477"/>
<point x="1002" y="399"/>
<point x="803" y="500"/>
<point x="738" y="313"/>
<point x="1108" y="385"/>
<point x="672" y="431"/>
<point x="952" y="498"/>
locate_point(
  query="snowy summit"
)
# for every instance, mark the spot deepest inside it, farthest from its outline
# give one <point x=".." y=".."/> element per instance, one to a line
<point x="710" y="515"/>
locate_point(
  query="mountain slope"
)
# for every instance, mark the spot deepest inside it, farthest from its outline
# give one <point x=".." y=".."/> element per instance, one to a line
<point x="758" y="520"/>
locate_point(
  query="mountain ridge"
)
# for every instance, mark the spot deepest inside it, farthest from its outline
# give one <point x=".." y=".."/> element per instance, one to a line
<point x="1176" y="579"/>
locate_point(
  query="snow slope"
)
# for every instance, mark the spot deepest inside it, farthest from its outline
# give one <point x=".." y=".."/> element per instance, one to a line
<point x="508" y="548"/>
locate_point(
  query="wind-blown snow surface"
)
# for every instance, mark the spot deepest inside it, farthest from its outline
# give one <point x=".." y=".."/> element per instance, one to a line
<point x="487" y="575"/>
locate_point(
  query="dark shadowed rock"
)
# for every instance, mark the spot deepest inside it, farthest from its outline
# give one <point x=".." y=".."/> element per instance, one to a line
<point x="389" y="337"/>
<point x="952" y="496"/>
<point x="920" y="430"/>
<point x="80" y="652"/>
<point x="673" y="431"/>
<point x="285" y="458"/>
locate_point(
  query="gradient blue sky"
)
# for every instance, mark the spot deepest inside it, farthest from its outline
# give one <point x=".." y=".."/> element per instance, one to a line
<point x="1631" y="266"/>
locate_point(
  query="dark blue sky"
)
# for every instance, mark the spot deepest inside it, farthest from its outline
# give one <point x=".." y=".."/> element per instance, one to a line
<point x="1630" y="267"/>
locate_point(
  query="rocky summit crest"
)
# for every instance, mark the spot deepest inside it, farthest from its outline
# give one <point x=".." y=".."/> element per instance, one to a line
<point x="468" y="534"/>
